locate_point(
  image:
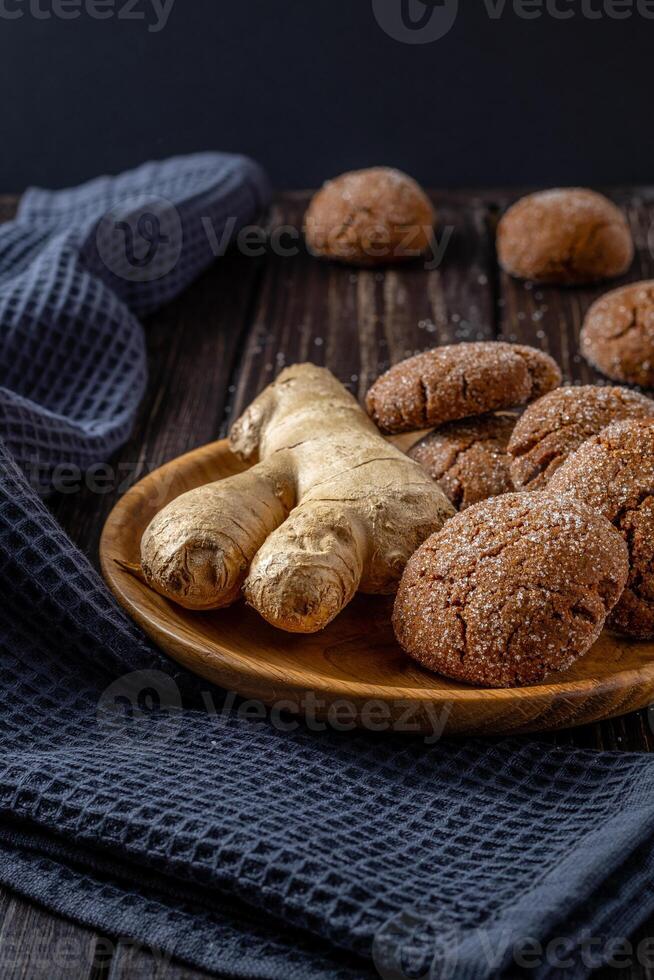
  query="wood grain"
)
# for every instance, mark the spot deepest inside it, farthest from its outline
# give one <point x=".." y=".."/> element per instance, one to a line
<point x="357" y="322"/>
<point x="356" y="659"/>
<point x="551" y="318"/>
<point x="193" y="348"/>
<point x="133" y="963"/>
<point x="240" y="317"/>
<point x="35" y="945"/>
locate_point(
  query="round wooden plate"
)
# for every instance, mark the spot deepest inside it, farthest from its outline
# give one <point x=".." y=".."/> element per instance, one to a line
<point x="353" y="672"/>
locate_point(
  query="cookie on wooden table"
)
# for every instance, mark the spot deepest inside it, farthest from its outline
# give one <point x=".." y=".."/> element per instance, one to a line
<point x="614" y="473"/>
<point x="567" y="235"/>
<point x="458" y="380"/>
<point x="370" y="217"/>
<point x="618" y="334"/>
<point x="468" y="458"/>
<point x="511" y="589"/>
<point x="557" y="424"/>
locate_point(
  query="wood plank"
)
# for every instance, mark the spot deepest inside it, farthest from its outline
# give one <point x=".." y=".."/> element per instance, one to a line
<point x="8" y="206"/>
<point x="38" y="945"/>
<point x="192" y="346"/>
<point x="35" y="945"/>
<point x="131" y="962"/>
<point x="236" y="649"/>
<point x="180" y="410"/>
<point x="359" y="321"/>
<point x="551" y="318"/>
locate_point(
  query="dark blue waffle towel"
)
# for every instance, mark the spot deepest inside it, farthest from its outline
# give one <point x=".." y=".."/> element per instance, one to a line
<point x="132" y="802"/>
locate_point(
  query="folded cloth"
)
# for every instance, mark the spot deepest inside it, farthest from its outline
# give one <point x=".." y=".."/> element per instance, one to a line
<point x="135" y="799"/>
<point x="76" y="269"/>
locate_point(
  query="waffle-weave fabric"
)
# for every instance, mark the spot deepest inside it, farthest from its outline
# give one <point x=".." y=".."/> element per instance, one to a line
<point x="77" y="269"/>
<point x="137" y="801"/>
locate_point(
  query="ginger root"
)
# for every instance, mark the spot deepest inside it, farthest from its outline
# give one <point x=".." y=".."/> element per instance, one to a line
<point x="330" y="508"/>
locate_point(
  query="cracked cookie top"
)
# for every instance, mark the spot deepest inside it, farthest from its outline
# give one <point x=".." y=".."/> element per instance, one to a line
<point x="370" y="217"/>
<point x="459" y="380"/>
<point x="511" y="590"/>
<point x="557" y="424"/>
<point x="618" y="334"/>
<point x="614" y="473"/>
<point x="468" y="458"/>
<point x="566" y="235"/>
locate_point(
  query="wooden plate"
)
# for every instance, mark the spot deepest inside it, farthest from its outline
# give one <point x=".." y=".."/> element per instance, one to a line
<point x="353" y="672"/>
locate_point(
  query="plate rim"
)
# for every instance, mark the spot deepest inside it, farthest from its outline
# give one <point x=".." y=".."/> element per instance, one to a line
<point x="125" y="587"/>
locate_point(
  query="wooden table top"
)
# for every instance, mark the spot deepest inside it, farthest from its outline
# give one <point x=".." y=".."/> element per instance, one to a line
<point x="219" y="344"/>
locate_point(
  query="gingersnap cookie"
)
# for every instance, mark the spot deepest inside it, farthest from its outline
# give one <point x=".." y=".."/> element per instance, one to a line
<point x="617" y="337"/>
<point x="613" y="472"/>
<point x="567" y="236"/>
<point x="468" y="458"/>
<point x="458" y="380"/>
<point x="511" y="589"/>
<point x="370" y="217"/>
<point x="557" y="424"/>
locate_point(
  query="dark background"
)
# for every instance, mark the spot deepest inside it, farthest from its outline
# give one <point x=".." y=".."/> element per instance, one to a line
<point x="314" y="87"/>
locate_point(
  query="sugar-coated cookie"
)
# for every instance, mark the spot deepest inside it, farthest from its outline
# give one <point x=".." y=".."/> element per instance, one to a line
<point x="614" y="473"/>
<point x="557" y="424"/>
<point x="458" y="380"/>
<point x="567" y="236"/>
<point x="618" y="334"/>
<point x="370" y="217"/>
<point x="511" y="589"/>
<point x="468" y="458"/>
